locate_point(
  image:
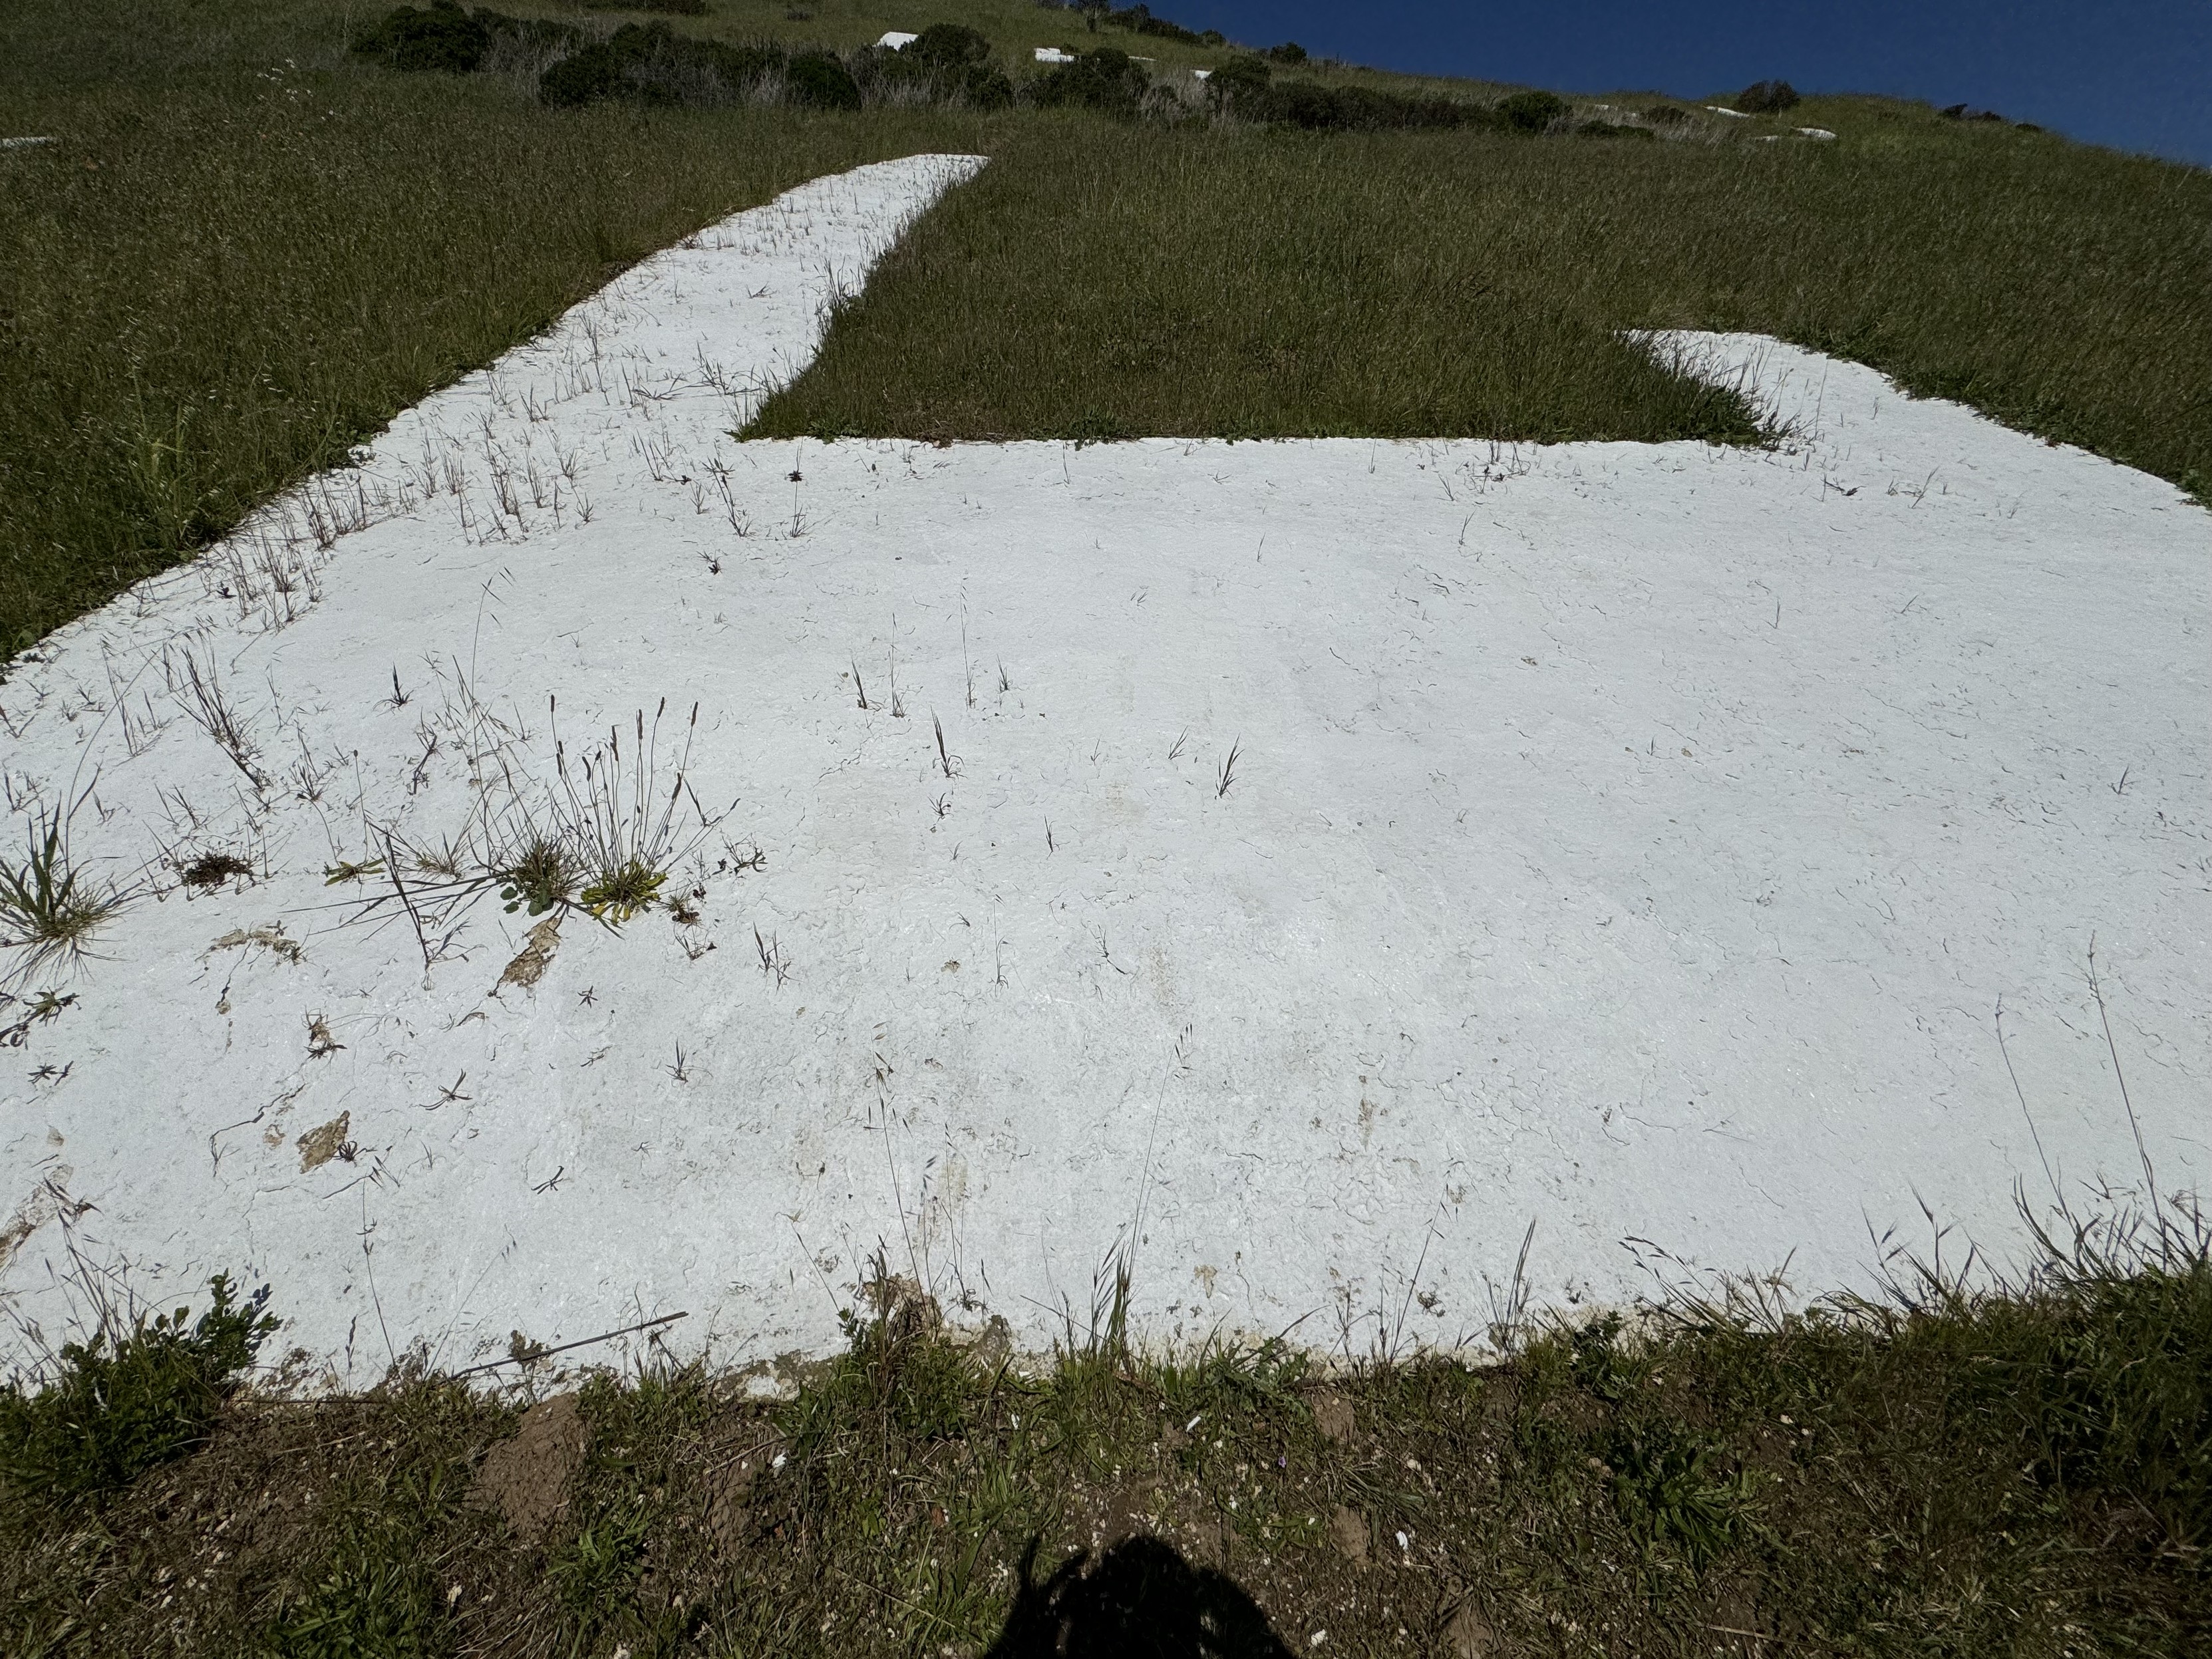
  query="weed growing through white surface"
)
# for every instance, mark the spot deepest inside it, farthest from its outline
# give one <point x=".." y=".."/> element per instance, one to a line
<point x="604" y="837"/>
<point x="629" y="834"/>
<point x="774" y="964"/>
<point x="48" y="908"/>
<point x="201" y="695"/>
<point x="619" y="895"/>
<point x="542" y="877"/>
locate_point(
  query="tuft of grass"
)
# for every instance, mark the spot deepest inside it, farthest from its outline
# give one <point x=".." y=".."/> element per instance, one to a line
<point x="629" y="890"/>
<point x="541" y="877"/>
<point x="50" y="908"/>
<point x="623" y="824"/>
<point x="374" y="1596"/>
<point x="358" y="1571"/>
<point x="130" y="1397"/>
<point x="2112" y="1385"/>
<point x="606" y="834"/>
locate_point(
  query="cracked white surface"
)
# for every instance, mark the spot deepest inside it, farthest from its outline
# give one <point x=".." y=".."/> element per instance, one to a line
<point x="1635" y="839"/>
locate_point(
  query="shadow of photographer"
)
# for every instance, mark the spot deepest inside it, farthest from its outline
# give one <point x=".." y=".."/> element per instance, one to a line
<point x="1139" y="1600"/>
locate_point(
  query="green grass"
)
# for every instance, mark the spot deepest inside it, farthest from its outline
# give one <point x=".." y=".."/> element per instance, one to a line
<point x="248" y="250"/>
<point x="234" y="268"/>
<point x="1104" y="281"/>
<point x="132" y="1393"/>
<point x="2026" y="1469"/>
<point x="48" y="908"/>
<point x="1125" y="282"/>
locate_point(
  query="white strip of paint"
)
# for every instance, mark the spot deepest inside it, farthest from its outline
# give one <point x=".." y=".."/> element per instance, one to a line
<point x="1632" y="839"/>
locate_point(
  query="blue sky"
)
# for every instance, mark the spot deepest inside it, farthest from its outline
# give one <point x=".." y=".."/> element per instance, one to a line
<point x="2137" y="76"/>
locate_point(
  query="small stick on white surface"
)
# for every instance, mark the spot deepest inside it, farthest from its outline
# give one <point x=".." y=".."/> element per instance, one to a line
<point x="536" y="1353"/>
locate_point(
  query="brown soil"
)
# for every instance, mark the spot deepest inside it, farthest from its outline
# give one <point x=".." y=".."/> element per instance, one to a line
<point x="526" y="1479"/>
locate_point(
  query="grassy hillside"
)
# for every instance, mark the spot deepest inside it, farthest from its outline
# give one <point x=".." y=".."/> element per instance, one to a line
<point x="247" y="253"/>
<point x="1130" y="281"/>
<point x="249" y="248"/>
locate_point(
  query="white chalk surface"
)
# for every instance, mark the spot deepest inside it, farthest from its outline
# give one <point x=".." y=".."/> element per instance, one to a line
<point x="1634" y="839"/>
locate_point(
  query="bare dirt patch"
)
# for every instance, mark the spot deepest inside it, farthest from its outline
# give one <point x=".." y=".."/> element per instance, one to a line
<point x="1332" y="1415"/>
<point x="530" y="961"/>
<point x="526" y="1478"/>
<point x="319" y="1146"/>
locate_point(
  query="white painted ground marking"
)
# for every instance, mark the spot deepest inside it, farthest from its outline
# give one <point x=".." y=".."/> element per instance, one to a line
<point x="1633" y="838"/>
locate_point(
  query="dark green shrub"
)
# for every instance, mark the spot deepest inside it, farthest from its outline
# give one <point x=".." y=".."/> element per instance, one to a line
<point x="647" y="63"/>
<point x="1766" y="98"/>
<point x="820" y="82"/>
<point x="990" y="89"/>
<point x="123" y="1403"/>
<point x="593" y="73"/>
<point x="1532" y="111"/>
<point x="1107" y="79"/>
<point x="949" y="46"/>
<point x="1666" y="115"/>
<point x="1304" y="104"/>
<point x="725" y="73"/>
<point x="1239" y="84"/>
<point x="947" y="62"/>
<point x="1289" y="52"/>
<point x="441" y="37"/>
<point x="535" y="33"/>
<point x="445" y="38"/>
<point x="677" y="8"/>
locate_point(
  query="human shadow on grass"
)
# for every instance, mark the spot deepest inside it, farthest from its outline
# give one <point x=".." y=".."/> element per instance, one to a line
<point x="1140" y="1599"/>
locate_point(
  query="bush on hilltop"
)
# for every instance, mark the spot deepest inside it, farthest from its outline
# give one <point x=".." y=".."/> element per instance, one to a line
<point x="441" y="38"/>
<point x="1766" y="98"/>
